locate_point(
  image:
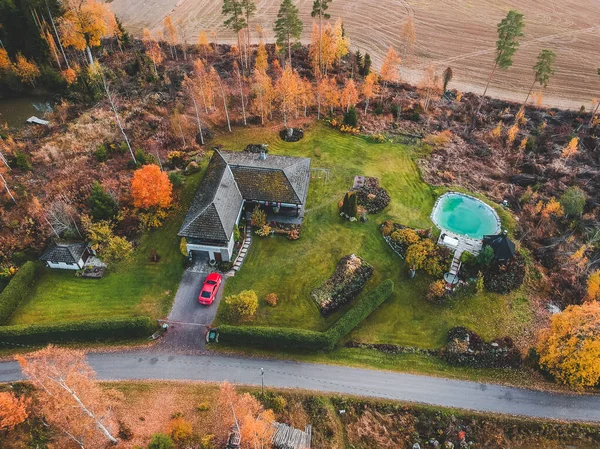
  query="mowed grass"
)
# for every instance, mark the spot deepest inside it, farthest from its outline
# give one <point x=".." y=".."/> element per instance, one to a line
<point x="291" y="269"/>
<point x="137" y="287"/>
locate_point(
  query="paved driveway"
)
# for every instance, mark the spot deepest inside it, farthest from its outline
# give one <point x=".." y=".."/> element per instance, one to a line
<point x="188" y="319"/>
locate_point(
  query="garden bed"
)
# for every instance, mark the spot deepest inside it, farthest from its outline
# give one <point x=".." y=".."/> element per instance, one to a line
<point x="372" y="196"/>
<point x="347" y="281"/>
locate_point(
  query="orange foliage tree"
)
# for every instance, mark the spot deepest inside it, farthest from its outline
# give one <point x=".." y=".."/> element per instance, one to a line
<point x="27" y="71"/>
<point x="69" y="396"/>
<point x="84" y="24"/>
<point x="150" y="187"/>
<point x="570" y="348"/>
<point x="287" y="92"/>
<point x="253" y="421"/>
<point x="370" y="88"/>
<point x="389" y="67"/>
<point x="5" y="63"/>
<point x="13" y="410"/>
<point x="349" y="94"/>
<point x="170" y="33"/>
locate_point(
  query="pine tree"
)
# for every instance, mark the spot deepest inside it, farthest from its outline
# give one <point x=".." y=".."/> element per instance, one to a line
<point x="543" y="70"/>
<point x="102" y="205"/>
<point x="288" y="26"/>
<point x="510" y="29"/>
<point x="233" y="10"/>
<point x="447" y="77"/>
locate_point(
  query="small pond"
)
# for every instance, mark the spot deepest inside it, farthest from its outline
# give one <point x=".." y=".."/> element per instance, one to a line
<point x="464" y="215"/>
<point x="14" y="111"/>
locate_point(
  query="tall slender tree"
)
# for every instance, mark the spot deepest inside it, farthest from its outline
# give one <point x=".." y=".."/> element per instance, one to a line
<point x="408" y="34"/>
<point x="249" y="7"/>
<point x="170" y="33"/>
<point x="288" y="26"/>
<point x="543" y="70"/>
<point x="594" y="109"/>
<point x="510" y="29"/>
<point x="319" y="10"/>
<point x="235" y="20"/>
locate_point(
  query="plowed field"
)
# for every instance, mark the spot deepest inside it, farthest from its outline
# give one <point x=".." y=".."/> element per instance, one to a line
<point x="456" y="33"/>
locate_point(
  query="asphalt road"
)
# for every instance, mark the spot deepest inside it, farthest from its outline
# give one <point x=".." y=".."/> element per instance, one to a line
<point x="337" y="379"/>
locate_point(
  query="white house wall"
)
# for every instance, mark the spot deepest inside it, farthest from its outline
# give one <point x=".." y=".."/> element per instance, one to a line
<point x="66" y="266"/>
<point x="225" y="252"/>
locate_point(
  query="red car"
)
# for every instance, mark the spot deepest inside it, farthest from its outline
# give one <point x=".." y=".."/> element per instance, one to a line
<point x="210" y="289"/>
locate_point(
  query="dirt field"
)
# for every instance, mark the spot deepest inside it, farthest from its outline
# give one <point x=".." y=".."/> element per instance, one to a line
<point x="456" y="33"/>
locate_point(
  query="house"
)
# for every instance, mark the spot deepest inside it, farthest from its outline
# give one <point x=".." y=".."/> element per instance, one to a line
<point x="504" y="248"/>
<point x="67" y="256"/>
<point x="235" y="180"/>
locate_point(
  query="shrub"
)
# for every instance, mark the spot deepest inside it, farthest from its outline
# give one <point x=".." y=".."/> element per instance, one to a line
<point x="90" y="330"/>
<point x="176" y="179"/>
<point x="22" y="161"/>
<point x="436" y="291"/>
<point x="141" y="157"/>
<point x="573" y="201"/>
<point x="258" y="217"/>
<point x="125" y="432"/>
<point x="192" y="168"/>
<point x="387" y="228"/>
<point x="347" y="281"/>
<point x="101" y="154"/>
<point x="350" y="204"/>
<point x="273" y="401"/>
<point x="17" y="289"/>
<point x="406" y="236"/>
<point x="395" y="111"/>
<point x="379" y="109"/>
<point x="350" y="117"/>
<point x="439" y="140"/>
<point x="117" y="249"/>
<point x="203" y="407"/>
<point x="486" y="256"/>
<point x="271" y="299"/>
<point x="237" y="235"/>
<point x="102" y="205"/>
<point x="161" y="441"/>
<point x="505" y="278"/>
<point x="180" y="430"/>
<point x="241" y="307"/>
<point x="207" y="442"/>
<point x="377" y="138"/>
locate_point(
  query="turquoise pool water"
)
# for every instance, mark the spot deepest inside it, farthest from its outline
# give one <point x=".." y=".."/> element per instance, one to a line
<point x="464" y="215"/>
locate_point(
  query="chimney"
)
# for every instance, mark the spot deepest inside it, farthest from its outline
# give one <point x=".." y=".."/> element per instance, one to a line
<point x="263" y="155"/>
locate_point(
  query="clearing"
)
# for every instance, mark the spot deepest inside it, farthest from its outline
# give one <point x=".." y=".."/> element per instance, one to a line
<point x="291" y="269"/>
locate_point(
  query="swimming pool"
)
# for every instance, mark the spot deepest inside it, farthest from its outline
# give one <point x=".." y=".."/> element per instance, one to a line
<point x="465" y="216"/>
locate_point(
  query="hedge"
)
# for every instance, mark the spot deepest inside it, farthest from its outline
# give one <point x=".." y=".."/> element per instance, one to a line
<point x="275" y="337"/>
<point x="90" y="330"/>
<point x="357" y="314"/>
<point x="279" y="337"/>
<point x="17" y="289"/>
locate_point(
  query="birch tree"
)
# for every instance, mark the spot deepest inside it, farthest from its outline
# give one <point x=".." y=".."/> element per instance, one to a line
<point x="238" y="75"/>
<point x="69" y="396"/>
<point x="215" y="76"/>
<point x="319" y="10"/>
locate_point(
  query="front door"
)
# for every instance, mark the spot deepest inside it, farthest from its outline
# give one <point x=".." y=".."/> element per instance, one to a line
<point x="218" y="257"/>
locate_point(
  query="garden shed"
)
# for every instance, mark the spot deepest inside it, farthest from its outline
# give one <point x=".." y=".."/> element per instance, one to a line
<point x="67" y="256"/>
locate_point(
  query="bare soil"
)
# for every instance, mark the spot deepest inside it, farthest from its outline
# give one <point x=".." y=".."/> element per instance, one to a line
<point x="458" y="33"/>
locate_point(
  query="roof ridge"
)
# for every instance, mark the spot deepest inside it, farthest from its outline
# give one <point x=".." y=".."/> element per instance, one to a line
<point x="298" y="161"/>
<point x="214" y="194"/>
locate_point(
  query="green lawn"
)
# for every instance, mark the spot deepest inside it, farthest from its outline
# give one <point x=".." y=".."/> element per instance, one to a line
<point x="138" y="287"/>
<point x="293" y="268"/>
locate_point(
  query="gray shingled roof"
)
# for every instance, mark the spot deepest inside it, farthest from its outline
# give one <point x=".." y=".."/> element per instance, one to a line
<point x="64" y="252"/>
<point x="281" y="179"/>
<point x="214" y="210"/>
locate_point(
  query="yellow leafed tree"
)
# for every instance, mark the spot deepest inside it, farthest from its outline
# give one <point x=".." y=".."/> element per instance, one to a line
<point x="26" y="70"/>
<point x="570" y="348"/>
<point x="153" y="50"/>
<point x="170" y="33"/>
<point x="84" y="24"/>
<point x="342" y="43"/>
<point x="287" y="92"/>
<point x="262" y="58"/>
<point x="370" y="88"/>
<point x="390" y="66"/>
<point x="593" y="286"/>
<point x="349" y="94"/>
<point x="203" y="43"/>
